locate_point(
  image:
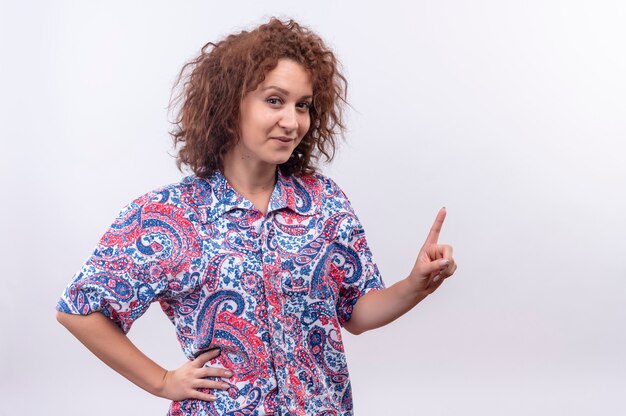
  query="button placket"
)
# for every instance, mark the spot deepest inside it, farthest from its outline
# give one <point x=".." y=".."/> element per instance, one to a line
<point x="270" y="282"/>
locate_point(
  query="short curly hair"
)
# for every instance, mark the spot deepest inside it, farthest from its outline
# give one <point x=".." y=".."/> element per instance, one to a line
<point x="215" y="82"/>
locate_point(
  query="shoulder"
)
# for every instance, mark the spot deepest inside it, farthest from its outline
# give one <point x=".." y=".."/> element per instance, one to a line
<point x="332" y="198"/>
<point x="172" y="200"/>
<point x="318" y="183"/>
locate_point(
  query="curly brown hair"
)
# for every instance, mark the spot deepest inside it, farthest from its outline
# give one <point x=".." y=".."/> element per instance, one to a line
<point x="216" y="81"/>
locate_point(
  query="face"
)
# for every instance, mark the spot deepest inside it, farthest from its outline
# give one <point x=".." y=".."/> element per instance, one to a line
<point x="275" y="117"/>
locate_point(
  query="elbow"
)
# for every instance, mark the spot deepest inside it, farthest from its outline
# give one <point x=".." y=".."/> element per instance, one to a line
<point x="352" y="328"/>
<point x="61" y="318"/>
<point x="65" y="319"/>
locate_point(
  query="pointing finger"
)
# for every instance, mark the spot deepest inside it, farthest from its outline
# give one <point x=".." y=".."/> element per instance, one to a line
<point x="433" y="235"/>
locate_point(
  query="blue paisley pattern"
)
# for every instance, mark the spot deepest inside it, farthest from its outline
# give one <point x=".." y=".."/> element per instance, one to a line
<point x="272" y="291"/>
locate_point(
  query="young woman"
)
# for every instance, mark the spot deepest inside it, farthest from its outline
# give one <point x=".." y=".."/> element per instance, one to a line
<point x="256" y="258"/>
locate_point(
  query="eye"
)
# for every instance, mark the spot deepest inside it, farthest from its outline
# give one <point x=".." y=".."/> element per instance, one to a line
<point x="305" y="105"/>
<point x="274" y="100"/>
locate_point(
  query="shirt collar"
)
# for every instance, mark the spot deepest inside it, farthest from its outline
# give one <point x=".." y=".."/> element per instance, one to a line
<point x="215" y="196"/>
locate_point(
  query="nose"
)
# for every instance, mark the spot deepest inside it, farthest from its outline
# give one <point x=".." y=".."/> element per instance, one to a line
<point x="288" y="119"/>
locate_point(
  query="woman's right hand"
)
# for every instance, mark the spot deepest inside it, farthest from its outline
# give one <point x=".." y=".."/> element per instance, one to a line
<point x="184" y="382"/>
<point x="105" y="339"/>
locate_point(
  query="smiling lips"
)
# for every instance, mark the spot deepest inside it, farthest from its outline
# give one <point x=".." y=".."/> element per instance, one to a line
<point x="284" y="139"/>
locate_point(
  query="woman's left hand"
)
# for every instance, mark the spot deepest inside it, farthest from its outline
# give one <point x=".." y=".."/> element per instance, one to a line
<point x="434" y="262"/>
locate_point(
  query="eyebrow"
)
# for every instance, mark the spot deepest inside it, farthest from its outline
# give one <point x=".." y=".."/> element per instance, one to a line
<point x="284" y="91"/>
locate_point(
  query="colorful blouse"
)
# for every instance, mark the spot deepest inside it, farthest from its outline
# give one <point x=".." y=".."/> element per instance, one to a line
<point x="272" y="291"/>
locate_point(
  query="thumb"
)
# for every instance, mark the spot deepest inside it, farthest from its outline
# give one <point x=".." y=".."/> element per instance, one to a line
<point x="207" y="356"/>
<point x="426" y="269"/>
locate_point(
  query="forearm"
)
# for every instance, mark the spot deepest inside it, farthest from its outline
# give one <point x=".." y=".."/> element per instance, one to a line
<point x="380" y="307"/>
<point x="102" y="337"/>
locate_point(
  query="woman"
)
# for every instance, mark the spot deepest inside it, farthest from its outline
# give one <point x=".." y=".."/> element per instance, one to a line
<point x="257" y="259"/>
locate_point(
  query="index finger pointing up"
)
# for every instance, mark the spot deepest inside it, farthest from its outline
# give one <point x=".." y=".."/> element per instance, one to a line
<point x="433" y="235"/>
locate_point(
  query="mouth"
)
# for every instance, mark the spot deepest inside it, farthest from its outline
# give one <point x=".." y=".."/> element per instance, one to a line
<point x="284" y="139"/>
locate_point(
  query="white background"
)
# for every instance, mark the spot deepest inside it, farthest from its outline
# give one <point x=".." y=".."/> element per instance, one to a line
<point x="512" y="114"/>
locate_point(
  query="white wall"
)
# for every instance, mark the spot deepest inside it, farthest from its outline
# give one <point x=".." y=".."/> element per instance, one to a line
<point x="509" y="113"/>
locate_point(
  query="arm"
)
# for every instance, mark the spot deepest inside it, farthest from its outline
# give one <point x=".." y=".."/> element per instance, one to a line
<point x="102" y="337"/>
<point x="433" y="265"/>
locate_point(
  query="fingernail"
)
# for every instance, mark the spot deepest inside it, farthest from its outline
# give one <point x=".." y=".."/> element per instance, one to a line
<point x="228" y="373"/>
<point x="211" y="397"/>
<point x="444" y="262"/>
<point x="226" y="386"/>
<point x="436" y="278"/>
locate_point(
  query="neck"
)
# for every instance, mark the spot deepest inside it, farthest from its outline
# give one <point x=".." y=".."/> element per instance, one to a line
<point x="248" y="177"/>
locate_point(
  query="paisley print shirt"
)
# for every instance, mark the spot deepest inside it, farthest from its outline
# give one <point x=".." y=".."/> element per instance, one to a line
<point x="272" y="291"/>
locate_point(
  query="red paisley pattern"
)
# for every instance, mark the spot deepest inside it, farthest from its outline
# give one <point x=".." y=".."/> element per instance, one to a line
<point x="271" y="291"/>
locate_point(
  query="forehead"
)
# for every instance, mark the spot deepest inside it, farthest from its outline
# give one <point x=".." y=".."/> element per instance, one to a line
<point x="288" y="75"/>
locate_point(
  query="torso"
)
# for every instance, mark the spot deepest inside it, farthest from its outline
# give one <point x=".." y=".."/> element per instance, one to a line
<point x="271" y="290"/>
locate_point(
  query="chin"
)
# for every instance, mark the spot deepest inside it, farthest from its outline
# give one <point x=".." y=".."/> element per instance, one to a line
<point x="278" y="159"/>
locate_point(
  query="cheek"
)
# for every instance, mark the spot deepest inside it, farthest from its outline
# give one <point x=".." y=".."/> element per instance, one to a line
<point x="257" y="120"/>
<point x="305" y="124"/>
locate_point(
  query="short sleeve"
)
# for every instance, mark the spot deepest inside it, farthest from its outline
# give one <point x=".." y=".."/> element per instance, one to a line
<point x="354" y="267"/>
<point x="363" y="276"/>
<point x="123" y="275"/>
